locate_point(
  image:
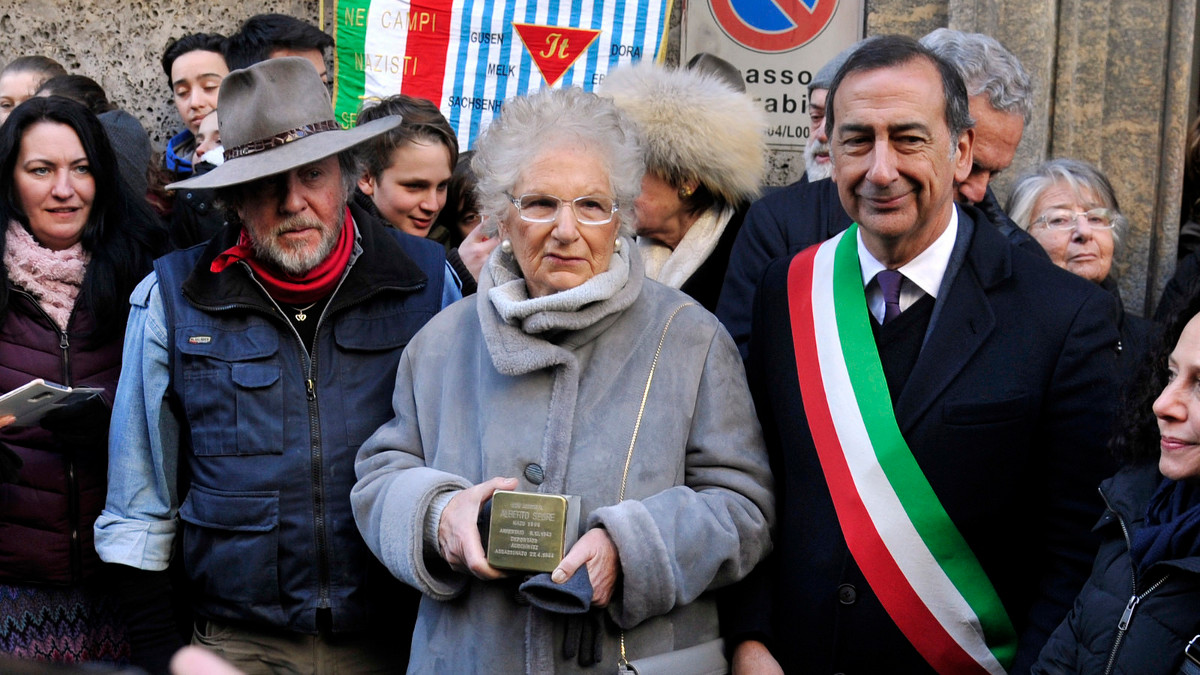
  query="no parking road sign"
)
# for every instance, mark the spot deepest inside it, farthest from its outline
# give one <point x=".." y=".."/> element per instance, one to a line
<point x="773" y="25"/>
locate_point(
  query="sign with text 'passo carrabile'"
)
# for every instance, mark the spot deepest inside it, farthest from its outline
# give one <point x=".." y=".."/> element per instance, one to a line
<point x="778" y="45"/>
<point x="468" y="56"/>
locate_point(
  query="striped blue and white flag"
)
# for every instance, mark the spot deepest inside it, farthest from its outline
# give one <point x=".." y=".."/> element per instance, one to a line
<point x="468" y="56"/>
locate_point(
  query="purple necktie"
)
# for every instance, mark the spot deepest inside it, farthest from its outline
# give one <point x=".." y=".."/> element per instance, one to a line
<point x="889" y="284"/>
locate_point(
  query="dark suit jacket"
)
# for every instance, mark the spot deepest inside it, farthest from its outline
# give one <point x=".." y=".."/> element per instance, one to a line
<point x="781" y="223"/>
<point x="1006" y="411"/>
<point x="791" y="219"/>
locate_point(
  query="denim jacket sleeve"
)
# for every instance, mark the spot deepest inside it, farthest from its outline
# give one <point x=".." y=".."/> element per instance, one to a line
<point x="451" y="288"/>
<point x="137" y="525"/>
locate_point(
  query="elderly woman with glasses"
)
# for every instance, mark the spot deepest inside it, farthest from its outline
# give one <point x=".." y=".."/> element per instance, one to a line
<point x="568" y="374"/>
<point x="1070" y="208"/>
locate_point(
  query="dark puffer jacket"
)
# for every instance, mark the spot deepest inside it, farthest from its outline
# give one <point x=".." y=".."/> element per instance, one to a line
<point x="46" y="517"/>
<point x="1166" y="614"/>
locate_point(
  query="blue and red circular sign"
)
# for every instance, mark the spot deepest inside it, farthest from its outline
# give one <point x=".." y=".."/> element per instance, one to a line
<point x="773" y="25"/>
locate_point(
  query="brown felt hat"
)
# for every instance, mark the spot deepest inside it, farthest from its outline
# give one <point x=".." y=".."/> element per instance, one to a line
<point x="275" y="116"/>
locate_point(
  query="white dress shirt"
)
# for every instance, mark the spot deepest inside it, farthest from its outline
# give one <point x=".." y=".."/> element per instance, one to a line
<point x="922" y="275"/>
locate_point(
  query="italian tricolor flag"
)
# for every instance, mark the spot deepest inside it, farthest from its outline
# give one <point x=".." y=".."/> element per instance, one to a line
<point x="911" y="553"/>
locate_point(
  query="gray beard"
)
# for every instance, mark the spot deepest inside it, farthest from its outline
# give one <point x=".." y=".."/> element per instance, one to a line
<point x="295" y="262"/>
<point x="814" y="170"/>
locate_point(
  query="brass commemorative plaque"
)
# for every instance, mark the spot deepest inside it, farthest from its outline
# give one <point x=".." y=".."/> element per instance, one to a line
<point x="530" y="531"/>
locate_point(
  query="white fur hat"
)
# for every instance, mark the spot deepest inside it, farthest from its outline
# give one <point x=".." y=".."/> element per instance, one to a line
<point x="696" y="127"/>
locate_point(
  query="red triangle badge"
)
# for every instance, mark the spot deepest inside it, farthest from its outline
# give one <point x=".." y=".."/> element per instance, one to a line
<point x="555" y="48"/>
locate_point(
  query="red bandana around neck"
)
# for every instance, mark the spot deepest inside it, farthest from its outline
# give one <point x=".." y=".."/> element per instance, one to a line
<point x="294" y="290"/>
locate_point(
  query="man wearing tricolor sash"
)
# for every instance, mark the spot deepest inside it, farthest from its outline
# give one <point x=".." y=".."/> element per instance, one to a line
<point x="936" y="414"/>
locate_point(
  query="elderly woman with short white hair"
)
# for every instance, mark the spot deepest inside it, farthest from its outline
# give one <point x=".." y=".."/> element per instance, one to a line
<point x="1070" y="208"/>
<point x="568" y="374"/>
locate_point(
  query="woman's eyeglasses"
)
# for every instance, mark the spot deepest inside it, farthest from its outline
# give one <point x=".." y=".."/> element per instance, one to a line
<point x="1066" y="219"/>
<point x="589" y="209"/>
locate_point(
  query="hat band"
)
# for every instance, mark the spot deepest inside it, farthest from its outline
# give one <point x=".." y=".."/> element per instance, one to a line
<point x="284" y="138"/>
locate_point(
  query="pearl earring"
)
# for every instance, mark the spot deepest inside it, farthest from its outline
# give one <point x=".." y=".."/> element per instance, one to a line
<point x="617" y="246"/>
<point x="506" y="247"/>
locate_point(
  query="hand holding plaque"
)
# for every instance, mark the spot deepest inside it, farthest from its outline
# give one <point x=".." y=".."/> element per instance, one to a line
<point x="460" y="538"/>
<point x="531" y="532"/>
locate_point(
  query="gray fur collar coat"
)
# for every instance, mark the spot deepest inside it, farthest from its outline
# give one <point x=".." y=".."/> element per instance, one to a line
<point x="478" y="397"/>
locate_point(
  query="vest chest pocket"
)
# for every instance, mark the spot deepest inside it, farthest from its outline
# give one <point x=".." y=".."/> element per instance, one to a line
<point x="369" y="350"/>
<point x="233" y="406"/>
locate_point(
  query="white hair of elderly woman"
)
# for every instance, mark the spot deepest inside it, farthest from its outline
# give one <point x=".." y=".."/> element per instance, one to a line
<point x="551" y="119"/>
<point x="1078" y="176"/>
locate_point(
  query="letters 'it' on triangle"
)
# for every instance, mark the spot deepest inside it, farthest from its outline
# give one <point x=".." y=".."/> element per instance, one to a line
<point x="554" y="48"/>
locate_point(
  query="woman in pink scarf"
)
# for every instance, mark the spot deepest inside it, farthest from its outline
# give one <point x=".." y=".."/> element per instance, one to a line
<point x="76" y="242"/>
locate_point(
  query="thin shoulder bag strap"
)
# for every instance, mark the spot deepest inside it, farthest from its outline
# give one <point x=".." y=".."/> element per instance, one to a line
<point x="637" y="425"/>
<point x="623" y="663"/>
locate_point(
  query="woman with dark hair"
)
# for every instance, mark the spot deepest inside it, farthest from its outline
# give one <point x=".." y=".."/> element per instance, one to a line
<point x="77" y="241"/>
<point x="1141" y="606"/>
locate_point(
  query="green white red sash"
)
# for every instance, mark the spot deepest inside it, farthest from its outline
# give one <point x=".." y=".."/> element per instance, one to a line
<point x="909" y="550"/>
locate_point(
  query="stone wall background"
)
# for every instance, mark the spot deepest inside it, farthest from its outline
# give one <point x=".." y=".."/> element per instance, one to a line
<point x="1114" y="83"/>
<point x="119" y="43"/>
<point x="1115" y="89"/>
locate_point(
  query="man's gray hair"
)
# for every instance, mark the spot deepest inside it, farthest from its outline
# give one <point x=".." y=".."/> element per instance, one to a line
<point x="1077" y="176"/>
<point x="987" y="68"/>
<point x="571" y="120"/>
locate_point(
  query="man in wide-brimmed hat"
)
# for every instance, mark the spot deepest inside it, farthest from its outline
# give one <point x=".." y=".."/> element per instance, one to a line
<point x="254" y="368"/>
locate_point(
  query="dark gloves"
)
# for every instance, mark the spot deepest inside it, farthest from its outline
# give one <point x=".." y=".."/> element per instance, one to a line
<point x="583" y="638"/>
<point x="10" y="465"/>
<point x="80" y="423"/>
<point x="573" y="596"/>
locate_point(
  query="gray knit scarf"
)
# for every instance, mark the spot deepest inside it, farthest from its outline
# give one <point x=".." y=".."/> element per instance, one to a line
<point x="510" y="319"/>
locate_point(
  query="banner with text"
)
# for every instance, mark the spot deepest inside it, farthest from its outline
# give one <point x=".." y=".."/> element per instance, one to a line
<point x="468" y="56"/>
